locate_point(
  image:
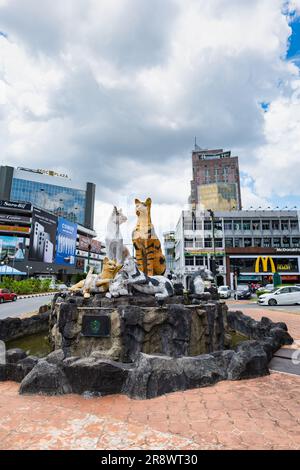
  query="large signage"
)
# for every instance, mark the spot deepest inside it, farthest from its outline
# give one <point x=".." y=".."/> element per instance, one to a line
<point x="25" y="206"/>
<point x="12" y="248"/>
<point x="89" y="244"/>
<point x="14" y="218"/>
<point x="14" y="228"/>
<point x="66" y="242"/>
<point x="265" y="263"/>
<point x="43" y="236"/>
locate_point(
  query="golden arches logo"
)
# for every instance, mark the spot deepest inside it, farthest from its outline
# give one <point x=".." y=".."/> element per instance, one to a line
<point x="264" y="261"/>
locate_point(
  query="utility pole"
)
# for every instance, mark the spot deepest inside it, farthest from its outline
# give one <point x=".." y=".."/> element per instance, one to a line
<point x="213" y="260"/>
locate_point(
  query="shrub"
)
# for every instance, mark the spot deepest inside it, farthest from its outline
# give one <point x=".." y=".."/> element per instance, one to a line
<point x="26" y="286"/>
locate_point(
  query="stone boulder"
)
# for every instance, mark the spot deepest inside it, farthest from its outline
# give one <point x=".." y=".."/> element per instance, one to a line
<point x="155" y="375"/>
<point x="250" y="360"/>
<point x="95" y="375"/>
<point x="45" y="379"/>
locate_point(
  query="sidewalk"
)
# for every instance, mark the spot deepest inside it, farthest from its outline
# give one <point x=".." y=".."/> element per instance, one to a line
<point x="261" y="413"/>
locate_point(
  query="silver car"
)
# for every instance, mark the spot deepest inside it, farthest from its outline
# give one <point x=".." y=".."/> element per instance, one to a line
<point x="224" y="292"/>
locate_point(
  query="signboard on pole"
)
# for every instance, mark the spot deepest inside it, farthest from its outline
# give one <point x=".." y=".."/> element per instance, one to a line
<point x="66" y="242"/>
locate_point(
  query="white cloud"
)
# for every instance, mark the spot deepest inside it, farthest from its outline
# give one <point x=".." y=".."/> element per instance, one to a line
<point x="114" y="92"/>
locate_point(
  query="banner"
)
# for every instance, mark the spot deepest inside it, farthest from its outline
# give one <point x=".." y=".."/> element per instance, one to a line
<point x="25" y="206"/>
<point x="89" y="244"/>
<point x="66" y="242"/>
<point x="14" y="218"/>
<point x="13" y="228"/>
<point x="43" y="236"/>
<point x="12" y="248"/>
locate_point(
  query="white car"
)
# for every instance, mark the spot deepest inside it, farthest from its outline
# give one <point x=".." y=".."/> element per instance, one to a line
<point x="289" y="295"/>
<point x="224" y="292"/>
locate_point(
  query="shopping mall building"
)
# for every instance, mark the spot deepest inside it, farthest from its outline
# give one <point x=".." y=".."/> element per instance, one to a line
<point x="52" y="207"/>
<point x="254" y="243"/>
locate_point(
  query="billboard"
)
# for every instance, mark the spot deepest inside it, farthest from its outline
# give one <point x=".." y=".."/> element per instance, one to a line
<point x="89" y="244"/>
<point x="43" y="236"/>
<point x="25" y="206"/>
<point x="14" y="218"/>
<point x="14" y="228"/>
<point x="12" y="248"/>
<point x="65" y="242"/>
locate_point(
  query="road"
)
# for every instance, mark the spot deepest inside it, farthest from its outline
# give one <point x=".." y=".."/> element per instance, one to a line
<point x="21" y="306"/>
<point x="254" y="305"/>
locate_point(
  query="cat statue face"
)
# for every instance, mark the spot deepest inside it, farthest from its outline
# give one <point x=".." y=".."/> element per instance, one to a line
<point x="142" y="207"/>
<point x="118" y="216"/>
<point x="110" y="267"/>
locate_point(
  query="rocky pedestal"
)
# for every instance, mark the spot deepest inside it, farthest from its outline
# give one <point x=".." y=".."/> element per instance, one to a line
<point x="138" y="325"/>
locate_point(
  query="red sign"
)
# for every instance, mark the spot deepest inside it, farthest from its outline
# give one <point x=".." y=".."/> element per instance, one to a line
<point x="89" y="244"/>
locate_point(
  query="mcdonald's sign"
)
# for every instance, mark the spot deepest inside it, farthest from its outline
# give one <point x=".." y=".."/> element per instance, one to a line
<point x="265" y="261"/>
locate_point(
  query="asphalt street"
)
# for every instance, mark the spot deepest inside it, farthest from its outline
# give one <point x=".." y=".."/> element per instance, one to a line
<point x="253" y="304"/>
<point x="21" y="306"/>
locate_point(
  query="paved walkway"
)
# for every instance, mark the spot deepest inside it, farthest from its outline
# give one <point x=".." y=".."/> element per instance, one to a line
<point x="291" y="319"/>
<point x="261" y="413"/>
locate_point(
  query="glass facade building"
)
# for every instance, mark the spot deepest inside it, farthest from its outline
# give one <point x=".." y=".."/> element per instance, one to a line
<point x="51" y="191"/>
<point x="62" y="201"/>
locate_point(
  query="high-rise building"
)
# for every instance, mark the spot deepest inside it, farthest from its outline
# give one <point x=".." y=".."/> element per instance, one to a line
<point x="50" y="191"/>
<point x="216" y="180"/>
<point x="169" y="248"/>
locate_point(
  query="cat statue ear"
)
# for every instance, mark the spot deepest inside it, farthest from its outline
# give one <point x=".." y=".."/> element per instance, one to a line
<point x="137" y="201"/>
<point x="115" y="209"/>
<point x="148" y="201"/>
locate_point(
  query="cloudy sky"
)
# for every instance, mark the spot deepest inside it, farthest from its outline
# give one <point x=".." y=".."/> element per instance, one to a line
<point x="114" y="91"/>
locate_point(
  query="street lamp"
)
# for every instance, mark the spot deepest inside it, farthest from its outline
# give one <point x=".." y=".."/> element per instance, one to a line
<point x="213" y="260"/>
<point x="28" y="268"/>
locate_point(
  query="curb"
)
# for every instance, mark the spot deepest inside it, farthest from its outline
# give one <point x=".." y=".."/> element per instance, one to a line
<point x="36" y="295"/>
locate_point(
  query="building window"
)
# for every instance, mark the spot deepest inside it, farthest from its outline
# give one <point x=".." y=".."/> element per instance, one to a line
<point x="266" y="225"/>
<point x="277" y="242"/>
<point x="284" y="225"/>
<point x="218" y="243"/>
<point x="246" y="225"/>
<point x="286" y="241"/>
<point x="188" y="242"/>
<point x="220" y="261"/>
<point x="188" y="225"/>
<point x="296" y="242"/>
<point x="218" y="225"/>
<point x="275" y="224"/>
<point x="207" y="225"/>
<point x="228" y="224"/>
<point x="247" y="242"/>
<point x="257" y="241"/>
<point x="237" y="224"/>
<point x="229" y="242"/>
<point x="267" y="242"/>
<point x="294" y="225"/>
<point x="199" y="260"/>
<point x="238" y="242"/>
<point x="208" y="243"/>
<point x="189" y="261"/>
<point x="199" y="242"/>
<point x="255" y="225"/>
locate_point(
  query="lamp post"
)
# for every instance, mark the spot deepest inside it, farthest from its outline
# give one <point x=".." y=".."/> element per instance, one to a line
<point x="28" y="269"/>
<point x="213" y="260"/>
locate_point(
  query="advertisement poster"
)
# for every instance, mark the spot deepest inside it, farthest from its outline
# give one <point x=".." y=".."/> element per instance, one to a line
<point x="66" y="242"/>
<point x="43" y="236"/>
<point x="12" y="248"/>
<point x="89" y="244"/>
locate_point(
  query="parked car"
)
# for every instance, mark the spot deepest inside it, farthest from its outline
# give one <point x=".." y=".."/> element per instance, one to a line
<point x="243" y="291"/>
<point x="283" y="296"/>
<point x="224" y="292"/>
<point x="61" y="287"/>
<point x="6" y="295"/>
